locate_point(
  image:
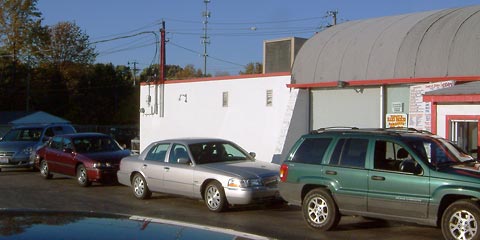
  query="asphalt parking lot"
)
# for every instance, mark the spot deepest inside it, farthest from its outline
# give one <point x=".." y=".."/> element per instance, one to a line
<point x="22" y="189"/>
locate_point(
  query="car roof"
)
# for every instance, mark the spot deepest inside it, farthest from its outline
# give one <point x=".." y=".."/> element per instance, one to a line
<point x="403" y="132"/>
<point x="83" y="134"/>
<point x="188" y="141"/>
<point x="40" y="125"/>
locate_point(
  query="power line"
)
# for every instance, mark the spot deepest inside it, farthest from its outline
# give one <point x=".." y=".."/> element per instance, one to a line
<point x="198" y="53"/>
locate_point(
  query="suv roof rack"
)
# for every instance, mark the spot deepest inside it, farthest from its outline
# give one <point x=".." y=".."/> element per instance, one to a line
<point x="334" y="128"/>
<point x="400" y="129"/>
<point x="394" y="130"/>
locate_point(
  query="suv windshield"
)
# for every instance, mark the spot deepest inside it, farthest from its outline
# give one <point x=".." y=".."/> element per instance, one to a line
<point x="23" y="134"/>
<point x="439" y="151"/>
<point x="217" y="152"/>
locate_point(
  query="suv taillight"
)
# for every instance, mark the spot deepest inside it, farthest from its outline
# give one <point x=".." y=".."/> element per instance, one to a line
<point x="283" y="172"/>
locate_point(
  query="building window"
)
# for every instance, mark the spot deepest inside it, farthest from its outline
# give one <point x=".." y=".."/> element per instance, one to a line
<point x="269" y="98"/>
<point x="225" y="99"/>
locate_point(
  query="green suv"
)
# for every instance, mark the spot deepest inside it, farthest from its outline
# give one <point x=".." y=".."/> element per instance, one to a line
<point x="398" y="174"/>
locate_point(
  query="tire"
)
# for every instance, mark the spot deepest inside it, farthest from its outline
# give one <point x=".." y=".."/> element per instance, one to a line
<point x="214" y="197"/>
<point x="82" y="177"/>
<point x="140" y="187"/>
<point x="44" y="171"/>
<point x="320" y="211"/>
<point x="461" y="220"/>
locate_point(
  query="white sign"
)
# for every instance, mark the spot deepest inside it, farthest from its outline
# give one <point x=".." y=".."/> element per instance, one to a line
<point x="420" y="114"/>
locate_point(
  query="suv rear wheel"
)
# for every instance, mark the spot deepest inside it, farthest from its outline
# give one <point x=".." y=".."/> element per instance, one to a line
<point x="460" y="220"/>
<point x="319" y="210"/>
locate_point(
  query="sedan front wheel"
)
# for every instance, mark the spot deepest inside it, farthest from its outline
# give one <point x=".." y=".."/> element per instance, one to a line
<point x="214" y="197"/>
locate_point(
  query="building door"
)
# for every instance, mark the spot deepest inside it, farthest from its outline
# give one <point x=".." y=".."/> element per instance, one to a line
<point x="465" y="134"/>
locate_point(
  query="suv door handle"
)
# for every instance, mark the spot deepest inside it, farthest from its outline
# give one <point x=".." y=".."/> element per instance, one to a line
<point x="378" y="178"/>
<point x="330" y="172"/>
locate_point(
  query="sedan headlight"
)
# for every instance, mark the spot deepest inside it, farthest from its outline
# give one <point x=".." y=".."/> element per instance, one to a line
<point x="244" y="183"/>
<point x="102" y="164"/>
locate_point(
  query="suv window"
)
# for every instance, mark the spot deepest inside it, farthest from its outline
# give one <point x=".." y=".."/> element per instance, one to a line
<point x="350" y="152"/>
<point x="312" y="150"/>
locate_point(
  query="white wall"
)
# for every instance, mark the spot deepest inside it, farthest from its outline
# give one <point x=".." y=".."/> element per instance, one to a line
<point x="444" y="110"/>
<point x="247" y="120"/>
<point x="348" y="107"/>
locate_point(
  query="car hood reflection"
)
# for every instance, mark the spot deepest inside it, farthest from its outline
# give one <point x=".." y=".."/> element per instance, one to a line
<point x="26" y="224"/>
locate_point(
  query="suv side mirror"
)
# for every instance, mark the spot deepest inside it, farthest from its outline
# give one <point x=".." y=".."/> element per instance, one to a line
<point x="252" y="154"/>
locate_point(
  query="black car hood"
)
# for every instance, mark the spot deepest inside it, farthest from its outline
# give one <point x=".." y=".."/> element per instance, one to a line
<point x="31" y="224"/>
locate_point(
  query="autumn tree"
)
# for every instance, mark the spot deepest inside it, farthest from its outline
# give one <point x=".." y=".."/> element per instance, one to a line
<point x="20" y="28"/>
<point x="253" y="68"/>
<point x="66" y="44"/>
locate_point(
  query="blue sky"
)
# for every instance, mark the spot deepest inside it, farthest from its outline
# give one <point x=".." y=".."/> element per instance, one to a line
<point x="236" y="29"/>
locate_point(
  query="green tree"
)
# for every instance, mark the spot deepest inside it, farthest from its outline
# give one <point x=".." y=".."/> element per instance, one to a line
<point x="253" y="68"/>
<point x="189" y="71"/>
<point x="67" y="44"/>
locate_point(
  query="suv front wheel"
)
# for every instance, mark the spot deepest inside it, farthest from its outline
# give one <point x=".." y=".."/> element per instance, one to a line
<point x="319" y="210"/>
<point x="460" y="220"/>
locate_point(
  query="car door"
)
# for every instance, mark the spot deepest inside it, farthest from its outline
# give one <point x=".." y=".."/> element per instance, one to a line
<point x="347" y="174"/>
<point x="178" y="176"/>
<point x="65" y="158"/>
<point x="52" y="154"/>
<point x="153" y="166"/>
<point x="394" y="189"/>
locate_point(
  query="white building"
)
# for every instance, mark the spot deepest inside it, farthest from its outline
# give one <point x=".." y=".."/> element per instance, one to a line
<point x="370" y="73"/>
<point x="252" y="110"/>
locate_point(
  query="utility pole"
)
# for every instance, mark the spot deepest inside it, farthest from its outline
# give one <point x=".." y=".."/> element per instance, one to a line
<point x="205" y="41"/>
<point x="134" y="71"/>
<point x="333" y="14"/>
<point x="161" y="69"/>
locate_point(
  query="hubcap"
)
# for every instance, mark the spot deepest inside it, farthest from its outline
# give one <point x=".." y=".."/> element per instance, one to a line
<point x="44" y="169"/>
<point x="82" y="176"/>
<point x="318" y="210"/>
<point x="138" y="186"/>
<point x="213" y="197"/>
<point x="463" y="225"/>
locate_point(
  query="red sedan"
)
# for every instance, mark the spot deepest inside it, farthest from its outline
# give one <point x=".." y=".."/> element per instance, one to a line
<point x="90" y="157"/>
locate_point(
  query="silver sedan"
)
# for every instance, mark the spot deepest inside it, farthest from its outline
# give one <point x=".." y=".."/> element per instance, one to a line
<point x="215" y="170"/>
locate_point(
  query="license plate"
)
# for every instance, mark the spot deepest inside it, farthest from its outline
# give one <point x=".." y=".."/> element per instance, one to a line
<point x="3" y="159"/>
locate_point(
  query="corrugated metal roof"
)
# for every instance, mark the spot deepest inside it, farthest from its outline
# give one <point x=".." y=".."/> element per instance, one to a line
<point x="427" y="44"/>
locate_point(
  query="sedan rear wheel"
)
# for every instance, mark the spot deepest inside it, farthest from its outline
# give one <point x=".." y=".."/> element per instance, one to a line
<point x="44" y="171"/>
<point x="82" y="178"/>
<point x="215" y="197"/>
<point x="140" y="188"/>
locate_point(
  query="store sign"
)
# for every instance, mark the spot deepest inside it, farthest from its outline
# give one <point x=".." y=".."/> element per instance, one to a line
<point x="397" y="120"/>
<point x="420" y="114"/>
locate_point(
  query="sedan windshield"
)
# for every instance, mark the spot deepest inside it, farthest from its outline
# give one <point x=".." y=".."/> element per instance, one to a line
<point x="23" y="134"/>
<point x="95" y="144"/>
<point x="217" y="152"/>
<point x="439" y="151"/>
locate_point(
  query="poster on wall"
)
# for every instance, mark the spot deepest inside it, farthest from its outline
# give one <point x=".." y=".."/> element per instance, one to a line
<point x="420" y="114"/>
<point x="396" y="120"/>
